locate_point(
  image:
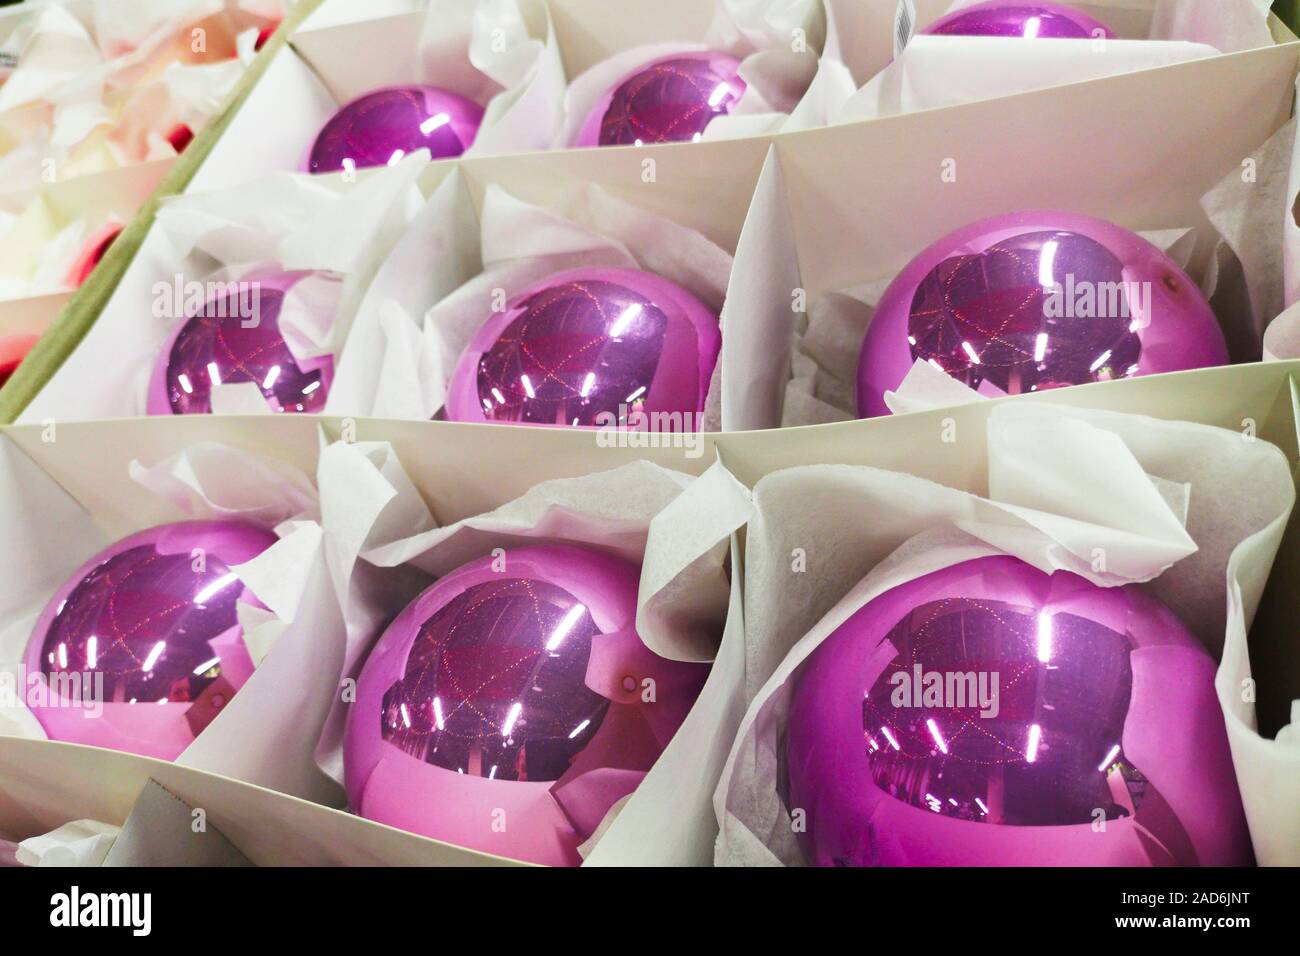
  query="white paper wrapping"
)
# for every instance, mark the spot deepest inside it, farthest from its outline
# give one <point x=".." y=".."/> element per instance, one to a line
<point x="1063" y="485"/>
<point x="398" y="359"/>
<point x="485" y="50"/>
<point x="80" y="843"/>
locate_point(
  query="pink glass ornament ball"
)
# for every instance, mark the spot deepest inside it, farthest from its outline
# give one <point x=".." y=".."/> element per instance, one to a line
<point x="991" y="714"/>
<point x="153" y="617"/>
<point x="670" y="99"/>
<point x="1030" y="19"/>
<point x="236" y="337"/>
<point x="591" y="347"/>
<point x="513" y="689"/>
<point x="1033" y="300"/>
<point x="382" y="126"/>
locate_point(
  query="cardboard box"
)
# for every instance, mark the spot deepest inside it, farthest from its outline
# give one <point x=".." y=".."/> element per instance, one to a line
<point x="462" y="470"/>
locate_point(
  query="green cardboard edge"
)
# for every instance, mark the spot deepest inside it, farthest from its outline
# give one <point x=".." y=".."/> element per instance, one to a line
<point x="1288" y="11"/>
<point x="81" y="311"/>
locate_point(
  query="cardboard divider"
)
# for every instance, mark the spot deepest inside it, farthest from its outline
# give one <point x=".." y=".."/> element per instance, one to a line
<point x="1129" y="154"/>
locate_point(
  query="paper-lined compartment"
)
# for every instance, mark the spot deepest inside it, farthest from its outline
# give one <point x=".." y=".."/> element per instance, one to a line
<point x="503" y="56"/>
<point x="936" y="71"/>
<point x="200" y="244"/>
<point x="947" y="168"/>
<point x="385" y="546"/>
<point x="256" y="733"/>
<point x="455" y="267"/>
<point x="1041" y="508"/>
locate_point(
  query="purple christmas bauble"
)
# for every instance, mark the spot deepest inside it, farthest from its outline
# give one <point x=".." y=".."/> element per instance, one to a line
<point x="513" y="688"/>
<point x="1029" y="19"/>
<point x="236" y="337"/>
<point x="381" y="127"/>
<point x="141" y="648"/>
<point x="591" y="347"/>
<point x="668" y="100"/>
<point x="1034" y="300"/>
<point x="991" y="714"/>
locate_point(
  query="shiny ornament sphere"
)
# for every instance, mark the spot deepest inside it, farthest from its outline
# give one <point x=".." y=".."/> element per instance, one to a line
<point x="591" y="347"/>
<point x="668" y="100"/>
<point x="381" y="127"/>
<point x="153" y="617"/>
<point x="991" y="714"/>
<point x="1030" y="19"/>
<point x="513" y="685"/>
<point x="236" y="337"/>
<point x="1035" y="300"/>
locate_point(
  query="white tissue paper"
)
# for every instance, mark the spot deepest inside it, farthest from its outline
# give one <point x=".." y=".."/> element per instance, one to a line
<point x="385" y="546"/>
<point x="485" y="50"/>
<point x="80" y="843"/>
<point x="1161" y="500"/>
<point x="414" y="322"/>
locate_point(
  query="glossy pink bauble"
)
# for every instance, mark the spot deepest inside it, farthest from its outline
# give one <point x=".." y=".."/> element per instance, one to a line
<point x="236" y="338"/>
<point x="990" y="714"/>
<point x="670" y="99"/>
<point x="591" y="347"/>
<point x="1030" y="19"/>
<point x="382" y="126"/>
<point x="1034" y="300"/>
<point x="153" y="617"/>
<point x="513" y="690"/>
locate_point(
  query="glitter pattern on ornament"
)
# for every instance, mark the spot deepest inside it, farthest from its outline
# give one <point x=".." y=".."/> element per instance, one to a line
<point x="381" y="127"/>
<point x="235" y="338"/>
<point x="148" y="630"/>
<point x="591" y="347"/>
<point x="671" y="99"/>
